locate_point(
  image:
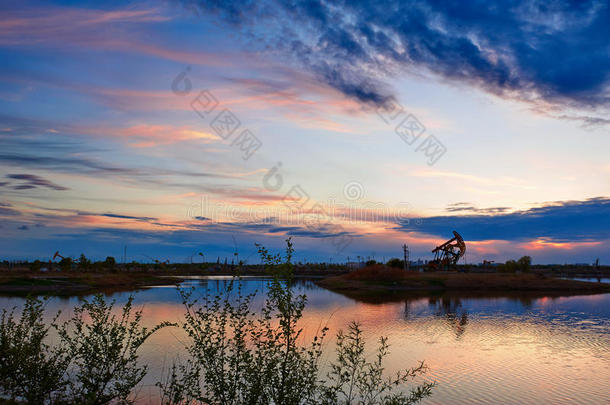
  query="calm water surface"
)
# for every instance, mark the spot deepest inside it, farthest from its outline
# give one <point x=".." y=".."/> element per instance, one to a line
<point x="605" y="280"/>
<point x="517" y="350"/>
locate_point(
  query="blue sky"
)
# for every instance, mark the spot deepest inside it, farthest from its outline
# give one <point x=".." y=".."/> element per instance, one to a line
<point x="361" y="127"/>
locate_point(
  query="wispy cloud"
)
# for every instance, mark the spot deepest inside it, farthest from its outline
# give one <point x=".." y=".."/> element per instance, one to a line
<point x="467" y="207"/>
<point x="29" y="181"/>
<point x="104" y="30"/>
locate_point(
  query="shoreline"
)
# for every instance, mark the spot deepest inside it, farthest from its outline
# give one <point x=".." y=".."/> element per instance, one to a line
<point x="78" y="284"/>
<point x="354" y="284"/>
<point x="374" y="283"/>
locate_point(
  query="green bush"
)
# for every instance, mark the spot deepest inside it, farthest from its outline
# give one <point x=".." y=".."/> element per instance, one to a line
<point x="95" y="360"/>
<point x="31" y="371"/>
<point x="103" y="351"/>
<point x="396" y="263"/>
<point x="354" y="380"/>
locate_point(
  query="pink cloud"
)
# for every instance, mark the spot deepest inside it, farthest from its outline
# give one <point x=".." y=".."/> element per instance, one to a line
<point x="95" y="29"/>
<point x="155" y="135"/>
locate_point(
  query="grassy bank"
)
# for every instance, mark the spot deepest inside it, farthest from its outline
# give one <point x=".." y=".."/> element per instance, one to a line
<point x="377" y="279"/>
<point x="79" y="283"/>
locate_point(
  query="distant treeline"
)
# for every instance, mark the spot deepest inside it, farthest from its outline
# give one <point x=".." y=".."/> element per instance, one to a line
<point x="523" y="264"/>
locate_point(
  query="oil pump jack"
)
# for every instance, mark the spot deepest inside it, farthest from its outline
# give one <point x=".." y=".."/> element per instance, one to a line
<point x="446" y="256"/>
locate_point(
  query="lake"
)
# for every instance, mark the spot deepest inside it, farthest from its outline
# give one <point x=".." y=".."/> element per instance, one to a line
<point x="501" y="350"/>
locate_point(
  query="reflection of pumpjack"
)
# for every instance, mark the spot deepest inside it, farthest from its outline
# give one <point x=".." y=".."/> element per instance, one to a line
<point x="448" y="309"/>
<point x="446" y="256"/>
<point x="452" y="312"/>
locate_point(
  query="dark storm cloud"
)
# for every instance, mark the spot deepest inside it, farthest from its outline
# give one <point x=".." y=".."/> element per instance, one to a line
<point x="555" y="51"/>
<point x="567" y="221"/>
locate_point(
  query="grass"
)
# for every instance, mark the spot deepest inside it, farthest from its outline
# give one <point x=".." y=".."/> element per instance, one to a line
<point x="77" y="283"/>
<point x="381" y="279"/>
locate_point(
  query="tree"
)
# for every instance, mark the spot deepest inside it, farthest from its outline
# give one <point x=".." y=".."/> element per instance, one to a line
<point x="65" y="264"/>
<point x="83" y="262"/>
<point x="35" y="265"/>
<point x="110" y="262"/>
<point x="525" y="264"/>
<point x="510" y="266"/>
<point x="394" y="262"/>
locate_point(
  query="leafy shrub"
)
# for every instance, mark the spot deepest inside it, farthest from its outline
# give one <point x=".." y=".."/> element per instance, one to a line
<point x="103" y="350"/>
<point x="354" y="380"/>
<point x="95" y="360"/>
<point x="31" y="371"/>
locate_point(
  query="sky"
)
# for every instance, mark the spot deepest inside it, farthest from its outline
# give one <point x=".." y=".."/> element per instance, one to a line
<point x="169" y="128"/>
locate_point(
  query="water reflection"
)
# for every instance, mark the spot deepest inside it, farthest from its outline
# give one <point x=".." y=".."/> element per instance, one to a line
<point x="526" y="349"/>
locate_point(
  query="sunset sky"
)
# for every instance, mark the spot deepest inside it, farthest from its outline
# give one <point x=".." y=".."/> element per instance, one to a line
<point x="178" y="127"/>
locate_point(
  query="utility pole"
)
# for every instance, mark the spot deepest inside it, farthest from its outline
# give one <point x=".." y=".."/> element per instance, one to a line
<point x="599" y="273"/>
<point x="405" y="249"/>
